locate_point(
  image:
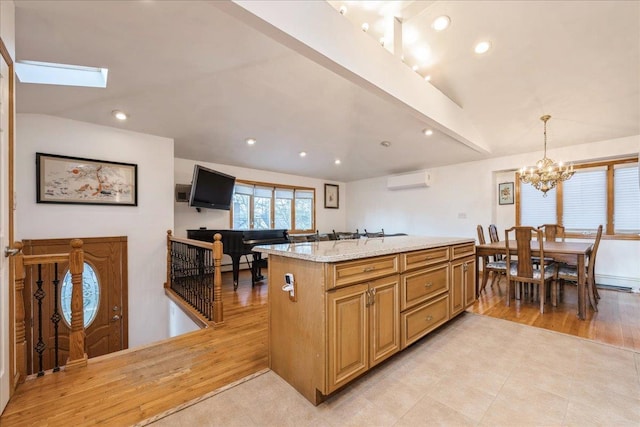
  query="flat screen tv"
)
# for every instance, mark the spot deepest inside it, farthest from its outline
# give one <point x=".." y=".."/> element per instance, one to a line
<point x="211" y="189"/>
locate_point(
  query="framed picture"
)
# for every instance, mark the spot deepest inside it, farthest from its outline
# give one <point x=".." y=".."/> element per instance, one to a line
<point x="63" y="179"/>
<point x="331" y="196"/>
<point x="505" y="193"/>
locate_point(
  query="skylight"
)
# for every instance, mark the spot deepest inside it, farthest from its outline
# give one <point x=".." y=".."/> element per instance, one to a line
<point x="49" y="73"/>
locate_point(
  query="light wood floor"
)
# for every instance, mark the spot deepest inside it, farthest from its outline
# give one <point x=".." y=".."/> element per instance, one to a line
<point x="617" y="321"/>
<point x="132" y="386"/>
<point x="128" y="387"/>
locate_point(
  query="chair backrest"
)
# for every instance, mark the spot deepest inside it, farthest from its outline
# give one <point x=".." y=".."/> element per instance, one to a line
<point x="523" y="237"/>
<point x="297" y="239"/>
<point x="341" y="235"/>
<point x="493" y="237"/>
<point x="481" y="240"/>
<point x="594" y="251"/>
<point x="374" y="234"/>
<point x="552" y="232"/>
<point x="493" y="233"/>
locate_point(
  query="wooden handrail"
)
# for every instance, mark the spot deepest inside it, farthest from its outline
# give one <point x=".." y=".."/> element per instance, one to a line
<point x="75" y="258"/>
<point x="216" y="309"/>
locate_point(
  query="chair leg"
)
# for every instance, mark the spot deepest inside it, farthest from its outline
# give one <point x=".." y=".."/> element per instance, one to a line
<point x="591" y="292"/>
<point x="485" y="277"/>
<point x="542" y="292"/>
<point x="554" y="293"/>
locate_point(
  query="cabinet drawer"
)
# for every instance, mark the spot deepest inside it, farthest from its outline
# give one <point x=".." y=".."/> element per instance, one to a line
<point x="419" y="286"/>
<point x="424" y="258"/>
<point x="349" y="272"/>
<point x="463" y="250"/>
<point x="421" y="320"/>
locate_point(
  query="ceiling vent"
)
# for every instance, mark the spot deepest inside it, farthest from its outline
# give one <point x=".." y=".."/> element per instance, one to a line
<point x="409" y="180"/>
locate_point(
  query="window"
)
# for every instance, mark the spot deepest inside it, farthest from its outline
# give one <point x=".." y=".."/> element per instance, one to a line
<point x="606" y="193"/>
<point x="262" y="206"/>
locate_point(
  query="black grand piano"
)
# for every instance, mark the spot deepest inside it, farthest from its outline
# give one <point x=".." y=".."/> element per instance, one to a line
<point x="236" y="243"/>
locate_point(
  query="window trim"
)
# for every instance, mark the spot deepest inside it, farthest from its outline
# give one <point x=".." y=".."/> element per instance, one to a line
<point x="273" y="187"/>
<point x="608" y="232"/>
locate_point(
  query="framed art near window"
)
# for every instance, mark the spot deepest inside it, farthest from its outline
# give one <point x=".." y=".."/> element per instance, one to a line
<point x="505" y="193"/>
<point x="63" y="179"/>
<point x="331" y="196"/>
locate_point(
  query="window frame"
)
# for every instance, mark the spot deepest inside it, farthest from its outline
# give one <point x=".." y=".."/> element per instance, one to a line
<point x="608" y="231"/>
<point x="274" y="187"/>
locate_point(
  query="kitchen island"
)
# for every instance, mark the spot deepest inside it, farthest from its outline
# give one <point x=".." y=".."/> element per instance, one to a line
<point x="338" y="308"/>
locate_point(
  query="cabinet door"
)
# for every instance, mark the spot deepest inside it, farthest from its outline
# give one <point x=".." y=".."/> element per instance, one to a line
<point x="384" y="315"/>
<point x="469" y="281"/>
<point x="456" y="295"/>
<point x="347" y="335"/>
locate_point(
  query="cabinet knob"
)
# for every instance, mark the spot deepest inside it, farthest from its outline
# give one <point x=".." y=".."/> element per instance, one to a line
<point x="428" y="285"/>
<point x="429" y="318"/>
<point x="368" y="269"/>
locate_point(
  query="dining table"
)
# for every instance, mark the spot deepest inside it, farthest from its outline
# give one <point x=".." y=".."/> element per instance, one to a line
<point x="569" y="252"/>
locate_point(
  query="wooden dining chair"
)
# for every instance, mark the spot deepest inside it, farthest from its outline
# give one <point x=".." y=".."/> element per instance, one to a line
<point x="341" y="235"/>
<point x="552" y="232"/>
<point x="493" y="237"/>
<point x="569" y="273"/>
<point x="496" y="268"/>
<point x="522" y="270"/>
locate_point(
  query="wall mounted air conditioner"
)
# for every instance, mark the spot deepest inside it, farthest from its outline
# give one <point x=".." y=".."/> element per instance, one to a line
<point x="409" y="180"/>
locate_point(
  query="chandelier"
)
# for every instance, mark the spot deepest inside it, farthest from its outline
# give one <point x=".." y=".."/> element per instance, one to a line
<point x="546" y="174"/>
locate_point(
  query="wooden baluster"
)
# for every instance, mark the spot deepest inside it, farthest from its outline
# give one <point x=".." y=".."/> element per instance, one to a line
<point x="167" y="284"/>
<point x="218" y="316"/>
<point x="21" y="339"/>
<point x="77" y="355"/>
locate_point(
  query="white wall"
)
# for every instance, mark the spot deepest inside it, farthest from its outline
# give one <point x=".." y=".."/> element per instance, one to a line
<point x="464" y="195"/>
<point x="188" y="218"/>
<point x="144" y="225"/>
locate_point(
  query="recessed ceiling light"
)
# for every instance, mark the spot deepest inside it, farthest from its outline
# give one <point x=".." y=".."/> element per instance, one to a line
<point x="250" y="141"/>
<point x="337" y="162"/>
<point x="482" y="47"/>
<point x="428" y="77"/>
<point x="365" y="27"/>
<point x="120" y="115"/>
<point x="302" y="153"/>
<point x="385" y="144"/>
<point x="441" y="23"/>
<point x="343" y="10"/>
<point x="427" y="132"/>
<point x="415" y="68"/>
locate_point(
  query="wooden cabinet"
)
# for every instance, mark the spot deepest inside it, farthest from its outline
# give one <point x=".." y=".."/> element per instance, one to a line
<point x="363" y="328"/>
<point x="463" y="284"/>
<point x="350" y="315"/>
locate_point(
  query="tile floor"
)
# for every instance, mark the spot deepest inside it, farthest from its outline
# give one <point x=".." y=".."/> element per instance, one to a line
<point x="474" y="371"/>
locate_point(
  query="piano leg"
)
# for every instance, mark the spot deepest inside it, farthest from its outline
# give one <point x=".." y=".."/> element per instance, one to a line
<point x="235" y="262"/>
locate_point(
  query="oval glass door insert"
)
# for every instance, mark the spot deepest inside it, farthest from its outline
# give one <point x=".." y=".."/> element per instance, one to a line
<point x="90" y="295"/>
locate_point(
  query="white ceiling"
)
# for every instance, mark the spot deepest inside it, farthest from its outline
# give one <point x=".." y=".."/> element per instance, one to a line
<point x="188" y="71"/>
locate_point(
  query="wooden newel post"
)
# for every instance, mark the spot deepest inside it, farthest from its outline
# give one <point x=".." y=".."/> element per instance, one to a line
<point x="20" y="331"/>
<point x="218" y="316"/>
<point x="167" y="284"/>
<point x="77" y="355"/>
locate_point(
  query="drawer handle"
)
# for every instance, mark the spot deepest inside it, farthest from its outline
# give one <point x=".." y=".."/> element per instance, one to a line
<point x="429" y="318"/>
<point x="428" y="285"/>
<point x="368" y="269"/>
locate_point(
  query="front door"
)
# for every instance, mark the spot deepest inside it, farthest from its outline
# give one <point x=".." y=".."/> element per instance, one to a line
<point x="104" y="295"/>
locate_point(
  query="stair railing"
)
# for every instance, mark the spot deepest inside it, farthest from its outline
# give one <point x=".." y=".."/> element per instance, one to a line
<point x="194" y="278"/>
<point x="75" y="259"/>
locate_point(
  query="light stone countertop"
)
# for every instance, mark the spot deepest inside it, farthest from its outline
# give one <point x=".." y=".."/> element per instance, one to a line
<point x="344" y="250"/>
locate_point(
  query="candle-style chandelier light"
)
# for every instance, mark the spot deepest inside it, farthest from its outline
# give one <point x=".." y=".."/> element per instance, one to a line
<point x="546" y="174"/>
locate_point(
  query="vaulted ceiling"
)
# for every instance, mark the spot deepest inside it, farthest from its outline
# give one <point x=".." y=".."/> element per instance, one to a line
<point x="190" y="71"/>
